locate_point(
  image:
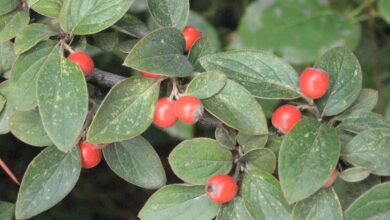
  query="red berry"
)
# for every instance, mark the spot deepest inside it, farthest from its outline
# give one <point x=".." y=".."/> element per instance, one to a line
<point x="286" y="117"/>
<point x="148" y="74"/>
<point x="314" y="83"/>
<point x="90" y="154"/>
<point x="221" y="188"/>
<point x="164" y="114"/>
<point x="188" y="109"/>
<point x="331" y="180"/>
<point x="191" y="35"/>
<point x="83" y="61"/>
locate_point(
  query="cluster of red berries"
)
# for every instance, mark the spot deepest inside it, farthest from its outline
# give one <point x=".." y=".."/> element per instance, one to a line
<point x="313" y="84"/>
<point x="188" y="109"/>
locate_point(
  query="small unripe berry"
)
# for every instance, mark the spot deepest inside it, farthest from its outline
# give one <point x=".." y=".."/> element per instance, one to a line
<point x="331" y="180"/>
<point x="191" y="35"/>
<point x="90" y="154"/>
<point x="150" y="75"/>
<point x="314" y="83"/>
<point x="221" y="188"/>
<point x="188" y="109"/>
<point x="286" y="117"/>
<point x="83" y="61"/>
<point x="164" y="114"/>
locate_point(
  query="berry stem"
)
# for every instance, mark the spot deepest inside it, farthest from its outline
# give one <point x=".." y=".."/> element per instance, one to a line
<point x="175" y="91"/>
<point x="237" y="171"/>
<point x="312" y="107"/>
<point x="8" y="171"/>
<point x="67" y="47"/>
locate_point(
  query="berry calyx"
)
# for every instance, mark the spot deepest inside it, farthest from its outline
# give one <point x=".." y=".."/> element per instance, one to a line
<point x="286" y="117"/>
<point x="314" y="83"/>
<point x="331" y="180"/>
<point x="191" y="35"/>
<point x="221" y="188"/>
<point x="188" y="109"/>
<point x="90" y="154"/>
<point x="83" y="60"/>
<point x="164" y="114"/>
<point x="150" y="75"/>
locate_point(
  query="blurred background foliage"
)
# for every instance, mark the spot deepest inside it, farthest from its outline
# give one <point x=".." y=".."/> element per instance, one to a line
<point x="299" y="31"/>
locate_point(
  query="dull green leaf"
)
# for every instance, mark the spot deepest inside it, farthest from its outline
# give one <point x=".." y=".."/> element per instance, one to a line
<point x="206" y="84"/>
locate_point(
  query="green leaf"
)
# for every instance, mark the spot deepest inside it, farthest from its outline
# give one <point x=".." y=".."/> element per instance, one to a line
<point x="27" y="126"/>
<point x="206" y="84"/>
<point x="62" y="100"/>
<point x="126" y="112"/>
<point x="50" y="8"/>
<point x="11" y="24"/>
<point x="261" y="73"/>
<point x="354" y="174"/>
<point x="196" y="160"/>
<point x="250" y="142"/>
<point x="345" y="75"/>
<point x="48" y="179"/>
<point x="107" y="40"/>
<point x="384" y="10"/>
<point x="180" y="130"/>
<point x="179" y="202"/>
<point x="307" y="157"/>
<point x="2" y="103"/>
<point x="198" y="21"/>
<point x="160" y="52"/>
<point x="30" y="35"/>
<point x="297" y="30"/>
<point x="137" y="162"/>
<point x="237" y="109"/>
<point x="370" y="149"/>
<point x="263" y="159"/>
<point x="7" y="56"/>
<point x="127" y="46"/>
<point x="132" y="26"/>
<point x="25" y="74"/>
<point x="8" y="6"/>
<point x="365" y="102"/>
<point x="262" y="196"/>
<point x="324" y="205"/>
<point x="201" y="48"/>
<point x="83" y="17"/>
<point x="226" y="137"/>
<point x="234" y="210"/>
<point x="5" y="91"/>
<point x="170" y="13"/>
<point x="360" y="121"/>
<point x="374" y="204"/>
<point x="7" y="210"/>
<point x="274" y="143"/>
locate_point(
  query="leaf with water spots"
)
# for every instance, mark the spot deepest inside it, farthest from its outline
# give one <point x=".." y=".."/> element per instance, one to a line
<point x="234" y="210"/>
<point x="126" y="112"/>
<point x="7" y="210"/>
<point x="226" y="137"/>
<point x="160" y="52"/>
<point x="235" y="106"/>
<point x="201" y="48"/>
<point x="250" y="142"/>
<point x="182" y="202"/>
<point x="131" y="25"/>
<point x="12" y="23"/>
<point x="196" y="160"/>
<point x="83" y="17"/>
<point x="262" y="196"/>
<point x="62" y="100"/>
<point x="137" y="162"/>
<point x="370" y="149"/>
<point x="5" y="91"/>
<point x="365" y="102"/>
<point x="324" y="205"/>
<point x="48" y="179"/>
<point x="307" y="157"/>
<point x="170" y="13"/>
<point x="263" y="159"/>
<point x="261" y="73"/>
<point x="7" y="56"/>
<point x="206" y="84"/>
<point x="50" y="8"/>
<point x="360" y="121"/>
<point x="8" y="6"/>
<point x="354" y="174"/>
<point x="30" y="35"/>
<point x="345" y="80"/>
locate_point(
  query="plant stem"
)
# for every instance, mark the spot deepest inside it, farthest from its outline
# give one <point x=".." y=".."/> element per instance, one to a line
<point x="361" y="7"/>
<point x="67" y="47"/>
<point x="8" y="171"/>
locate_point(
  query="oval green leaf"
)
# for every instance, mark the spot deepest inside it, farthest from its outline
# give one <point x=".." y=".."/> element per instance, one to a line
<point x="83" y="17"/>
<point x="5" y="91"/>
<point x="137" y="162"/>
<point x="206" y="84"/>
<point x="126" y="112"/>
<point x="50" y="8"/>
<point x="345" y="75"/>
<point x="30" y="35"/>
<point x="62" y="100"/>
<point x="235" y="106"/>
<point x="170" y="13"/>
<point x="370" y="149"/>
<point x="48" y="179"/>
<point x="354" y="174"/>
<point x="132" y="26"/>
<point x="7" y="56"/>
<point x="263" y="159"/>
<point x="234" y="210"/>
<point x="366" y="102"/>
<point x="360" y="121"/>
<point x="160" y="52"/>
<point x="8" y="6"/>
<point x="261" y="73"/>
<point x="262" y="196"/>
<point x="201" y="48"/>
<point x="179" y="202"/>
<point x="250" y="142"/>
<point x="7" y="210"/>
<point x="11" y="24"/>
<point x="324" y="205"/>
<point x="195" y="161"/>
<point x="27" y="126"/>
<point x="307" y="157"/>
<point x="226" y="137"/>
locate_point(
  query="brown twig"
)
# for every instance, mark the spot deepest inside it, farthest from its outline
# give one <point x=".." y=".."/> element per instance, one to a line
<point x="105" y="79"/>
